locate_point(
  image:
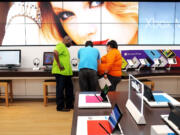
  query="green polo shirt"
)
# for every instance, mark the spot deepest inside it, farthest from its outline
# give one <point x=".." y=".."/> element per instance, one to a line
<point x="64" y="58"/>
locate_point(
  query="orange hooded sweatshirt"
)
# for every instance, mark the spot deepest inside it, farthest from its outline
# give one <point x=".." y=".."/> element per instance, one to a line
<point x="111" y="62"/>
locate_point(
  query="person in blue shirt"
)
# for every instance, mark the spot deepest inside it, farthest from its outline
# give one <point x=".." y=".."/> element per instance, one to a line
<point x="89" y="59"/>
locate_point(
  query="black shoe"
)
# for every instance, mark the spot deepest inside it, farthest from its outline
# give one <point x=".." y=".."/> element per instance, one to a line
<point x="64" y="110"/>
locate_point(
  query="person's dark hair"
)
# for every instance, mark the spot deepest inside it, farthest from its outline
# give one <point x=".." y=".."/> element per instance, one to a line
<point x="112" y="44"/>
<point x="89" y="43"/>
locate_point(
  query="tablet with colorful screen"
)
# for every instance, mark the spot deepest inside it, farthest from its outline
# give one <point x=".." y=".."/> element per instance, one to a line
<point x="115" y="118"/>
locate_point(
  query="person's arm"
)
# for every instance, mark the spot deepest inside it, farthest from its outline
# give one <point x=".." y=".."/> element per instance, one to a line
<point x="99" y="58"/>
<point x="79" y="54"/>
<point x="103" y="59"/>
<point x="99" y="62"/>
<point x="110" y="58"/>
<point x="56" y="56"/>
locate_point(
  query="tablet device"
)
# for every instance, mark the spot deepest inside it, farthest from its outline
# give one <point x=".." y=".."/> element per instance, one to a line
<point x="168" y="53"/>
<point x="104" y="92"/>
<point x="157" y="61"/>
<point x="174" y="115"/>
<point x="115" y="118"/>
<point x="142" y="61"/>
<point x="172" y="61"/>
<point x="130" y="62"/>
<point x="148" y="93"/>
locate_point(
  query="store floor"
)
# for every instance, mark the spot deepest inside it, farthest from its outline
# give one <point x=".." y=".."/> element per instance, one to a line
<point x="32" y="118"/>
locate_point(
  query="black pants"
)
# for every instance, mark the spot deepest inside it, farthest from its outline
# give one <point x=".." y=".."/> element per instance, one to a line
<point x="64" y="82"/>
<point x="88" y="79"/>
<point x="114" y="81"/>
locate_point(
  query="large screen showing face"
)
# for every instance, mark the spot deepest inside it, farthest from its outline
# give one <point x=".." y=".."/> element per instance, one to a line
<point x="129" y="23"/>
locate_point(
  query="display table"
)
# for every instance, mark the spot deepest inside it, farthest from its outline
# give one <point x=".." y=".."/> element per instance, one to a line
<point x="129" y="126"/>
<point x="28" y="72"/>
<point x="148" y="72"/>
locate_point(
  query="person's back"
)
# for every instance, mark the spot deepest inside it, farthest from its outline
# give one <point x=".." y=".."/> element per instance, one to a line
<point x="88" y="64"/>
<point x="110" y="66"/>
<point x="88" y="58"/>
<point x="113" y="61"/>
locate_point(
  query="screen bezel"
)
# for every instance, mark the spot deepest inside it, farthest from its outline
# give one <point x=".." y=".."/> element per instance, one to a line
<point x="12" y="65"/>
<point x="115" y="127"/>
<point x="44" y="64"/>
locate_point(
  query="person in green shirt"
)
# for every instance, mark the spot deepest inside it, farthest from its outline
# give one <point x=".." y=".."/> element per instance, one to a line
<point x="63" y="72"/>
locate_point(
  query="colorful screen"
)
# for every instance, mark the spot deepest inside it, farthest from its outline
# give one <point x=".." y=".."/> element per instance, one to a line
<point x="114" y="118"/>
<point x="129" y="23"/>
<point x="48" y="58"/>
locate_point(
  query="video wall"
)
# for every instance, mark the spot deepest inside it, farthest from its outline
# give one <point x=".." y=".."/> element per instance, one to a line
<point x="129" y="23"/>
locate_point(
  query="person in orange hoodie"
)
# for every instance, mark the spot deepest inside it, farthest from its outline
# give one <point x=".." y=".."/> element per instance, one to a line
<point x="110" y="66"/>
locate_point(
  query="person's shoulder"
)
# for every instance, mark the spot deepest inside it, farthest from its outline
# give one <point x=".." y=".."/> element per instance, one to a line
<point x="115" y="51"/>
<point x="82" y="48"/>
<point x="60" y="44"/>
<point x="95" y="49"/>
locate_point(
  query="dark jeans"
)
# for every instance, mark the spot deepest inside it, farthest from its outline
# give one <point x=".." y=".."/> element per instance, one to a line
<point x="88" y="79"/>
<point x="64" y="82"/>
<point x="114" y="81"/>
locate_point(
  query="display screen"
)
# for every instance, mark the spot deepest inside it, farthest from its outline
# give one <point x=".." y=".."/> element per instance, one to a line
<point x="136" y="93"/>
<point x="172" y="61"/>
<point x="48" y="58"/>
<point x="148" y="93"/>
<point x="168" y="53"/>
<point x="129" y="23"/>
<point x="10" y="58"/>
<point x="115" y="117"/>
<point x="130" y="62"/>
<point x="143" y="62"/>
<point x="157" y="61"/>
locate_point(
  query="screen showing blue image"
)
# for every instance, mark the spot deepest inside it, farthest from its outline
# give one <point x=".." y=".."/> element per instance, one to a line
<point x="115" y="117"/>
<point x="112" y="123"/>
<point x="156" y="33"/>
<point x="48" y="58"/>
<point x="152" y="54"/>
<point x="159" y="23"/>
<point x="156" y="12"/>
<point x="160" y="98"/>
<point x="116" y="113"/>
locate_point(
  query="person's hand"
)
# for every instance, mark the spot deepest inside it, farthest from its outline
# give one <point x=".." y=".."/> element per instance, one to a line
<point x="105" y="76"/>
<point x="61" y="67"/>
